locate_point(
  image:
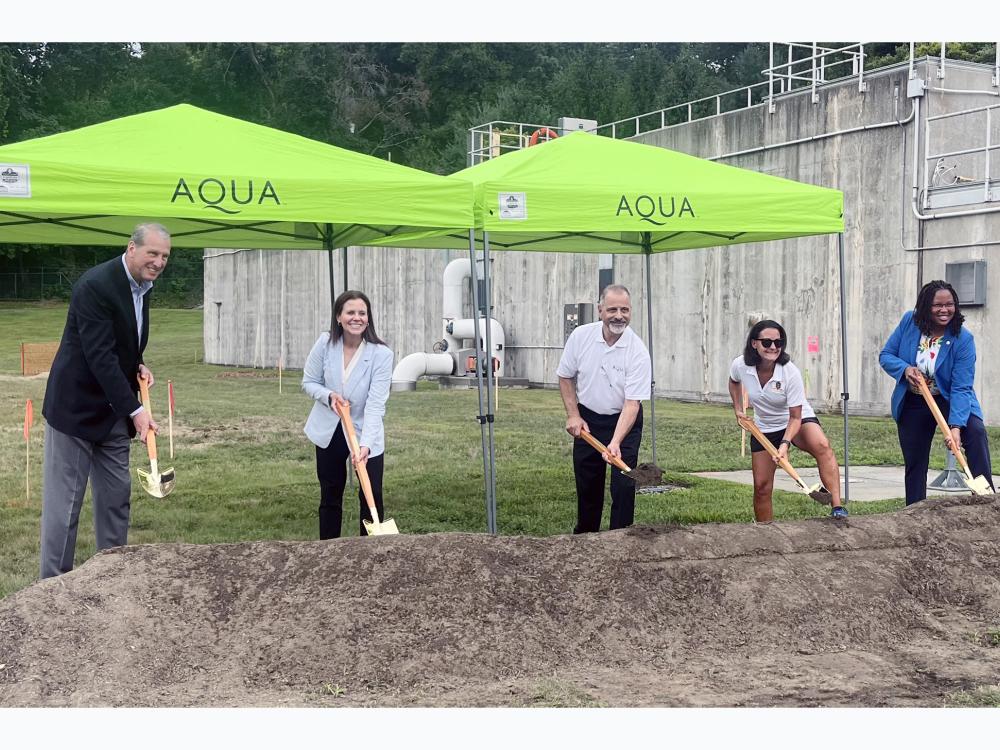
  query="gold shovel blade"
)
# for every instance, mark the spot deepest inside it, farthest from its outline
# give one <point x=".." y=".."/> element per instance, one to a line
<point x="388" y="526"/>
<point x="155" y="484"/>
<point x="978" y="485"/>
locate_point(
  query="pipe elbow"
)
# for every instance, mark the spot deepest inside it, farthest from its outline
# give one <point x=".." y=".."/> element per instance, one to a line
<point x="413" y="366"/>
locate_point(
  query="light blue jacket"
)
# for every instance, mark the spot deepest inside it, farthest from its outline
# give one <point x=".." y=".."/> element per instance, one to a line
<point x="367" y="389"/>
<point x="954" y="369"/>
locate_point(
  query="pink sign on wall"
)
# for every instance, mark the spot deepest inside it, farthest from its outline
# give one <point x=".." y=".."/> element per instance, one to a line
<point x="812" y="344"/>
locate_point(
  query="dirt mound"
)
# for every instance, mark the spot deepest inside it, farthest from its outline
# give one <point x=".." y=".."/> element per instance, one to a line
<point x="880" y="610"/>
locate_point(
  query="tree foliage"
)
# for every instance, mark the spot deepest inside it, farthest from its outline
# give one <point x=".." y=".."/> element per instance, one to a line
<point x="410" y="102"/>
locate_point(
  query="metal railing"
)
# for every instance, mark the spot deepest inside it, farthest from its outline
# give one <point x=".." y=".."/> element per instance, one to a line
<point x="492" y="139"/>
<point x="805" y="66"/>
<point x="812" y="70"/>
<point x="821" y="65"/>
<point x="944" y="174"/>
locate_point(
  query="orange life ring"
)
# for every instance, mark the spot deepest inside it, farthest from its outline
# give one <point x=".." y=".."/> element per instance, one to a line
<point x="549" y="134"/>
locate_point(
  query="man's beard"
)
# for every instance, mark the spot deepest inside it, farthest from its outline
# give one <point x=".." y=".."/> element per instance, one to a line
<point x="617" y="326"/>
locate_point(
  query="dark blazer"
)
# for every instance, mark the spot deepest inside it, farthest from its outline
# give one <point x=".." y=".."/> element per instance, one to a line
<point x="954" y="369"/>
<point x="93" y="378"/>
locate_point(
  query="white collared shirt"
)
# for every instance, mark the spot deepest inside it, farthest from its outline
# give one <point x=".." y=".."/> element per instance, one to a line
<point x="772" y="401"/>
<point x="138" y="290"/>
<point x="606" y="376"/>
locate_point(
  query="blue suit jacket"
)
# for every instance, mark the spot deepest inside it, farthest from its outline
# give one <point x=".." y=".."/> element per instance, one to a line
<point x="954" y="369"/>
<point x="367" y="389"/>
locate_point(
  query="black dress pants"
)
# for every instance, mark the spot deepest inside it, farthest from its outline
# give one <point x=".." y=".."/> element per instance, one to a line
<point x="590" y="471"/>
<point x="917" y="430"/>
<point x="331" y="469"/>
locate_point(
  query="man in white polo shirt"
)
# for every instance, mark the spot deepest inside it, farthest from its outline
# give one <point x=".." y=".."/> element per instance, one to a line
<point x="604" y="374"/>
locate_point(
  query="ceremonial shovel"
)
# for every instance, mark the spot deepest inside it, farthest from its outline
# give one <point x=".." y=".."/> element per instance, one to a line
<point x="817" y="492"/>
<point x="374" y="528"/>
<point x="599" y="446"/>
<point x="156" y="483"/>
<point x="978" y="485"/>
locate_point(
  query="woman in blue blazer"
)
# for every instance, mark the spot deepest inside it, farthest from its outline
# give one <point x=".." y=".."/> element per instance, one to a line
<point x="930" y="343"/>
<point x="350" y="365"/>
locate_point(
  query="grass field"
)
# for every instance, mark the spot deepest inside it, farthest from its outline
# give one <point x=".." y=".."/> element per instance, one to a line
<point x="245" y="471"/>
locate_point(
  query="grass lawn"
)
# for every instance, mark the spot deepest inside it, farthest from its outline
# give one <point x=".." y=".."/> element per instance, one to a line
<point x="245" y="471"/>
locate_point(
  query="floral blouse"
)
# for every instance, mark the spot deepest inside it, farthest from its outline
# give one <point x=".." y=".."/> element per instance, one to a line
<point x="927" y="354"/>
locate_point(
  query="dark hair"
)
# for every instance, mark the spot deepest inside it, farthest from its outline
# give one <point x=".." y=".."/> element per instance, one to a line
<point x="922" y="311"/>
<point x="337" y="330"/>
<point x="750" y="355"/>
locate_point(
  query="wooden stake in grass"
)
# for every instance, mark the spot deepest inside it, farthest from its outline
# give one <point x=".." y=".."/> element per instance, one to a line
<point x="29" y="419"/>
<point x="170" y="415"/>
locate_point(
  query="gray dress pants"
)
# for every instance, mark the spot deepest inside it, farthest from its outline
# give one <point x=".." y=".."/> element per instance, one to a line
<point x="69" y="463"/>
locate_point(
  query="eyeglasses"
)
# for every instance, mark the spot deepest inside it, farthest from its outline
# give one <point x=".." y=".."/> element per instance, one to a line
<point x="768" y="343"/>
<point x="945" y="306"/>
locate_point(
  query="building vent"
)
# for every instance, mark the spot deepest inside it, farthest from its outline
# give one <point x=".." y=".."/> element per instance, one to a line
<point x="567" y="125"/>
<point x="969" y="280"/>
<point x="576" y="315"/>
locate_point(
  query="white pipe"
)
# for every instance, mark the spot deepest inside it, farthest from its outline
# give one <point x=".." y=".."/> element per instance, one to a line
<point x="456" y="276"/>
<point x="465" y="329"/>
<point x="412" y="366"/>
<point x="454" y="328"/>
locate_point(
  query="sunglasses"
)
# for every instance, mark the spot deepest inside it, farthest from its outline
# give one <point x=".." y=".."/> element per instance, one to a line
<point x="768" y="343"/>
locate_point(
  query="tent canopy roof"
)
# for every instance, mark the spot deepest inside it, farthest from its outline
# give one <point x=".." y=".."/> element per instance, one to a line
<point x="213" y="181"/>
<point x="589" y="193"/>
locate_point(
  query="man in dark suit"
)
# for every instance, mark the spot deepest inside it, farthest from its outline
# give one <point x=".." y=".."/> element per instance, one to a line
<point x="90" y="406"/>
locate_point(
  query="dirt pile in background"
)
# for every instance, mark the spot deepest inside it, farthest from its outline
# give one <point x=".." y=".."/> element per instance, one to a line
<point x="883" y="610"/>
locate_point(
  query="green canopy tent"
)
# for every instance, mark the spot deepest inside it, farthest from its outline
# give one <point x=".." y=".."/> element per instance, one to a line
<point x="214" y="181"/>
<point x="592" y="194"/>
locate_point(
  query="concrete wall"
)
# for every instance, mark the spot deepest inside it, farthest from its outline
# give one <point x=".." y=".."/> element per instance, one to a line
<point x="702" y="299"/>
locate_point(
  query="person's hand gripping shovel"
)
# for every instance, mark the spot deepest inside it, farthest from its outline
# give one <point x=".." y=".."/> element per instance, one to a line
<point x="374" y="527"/>
<point x="978" y="485"/>
<point x="156" y="483"/>
<point x="600" y="448"/>
<point x="817" y="492"/>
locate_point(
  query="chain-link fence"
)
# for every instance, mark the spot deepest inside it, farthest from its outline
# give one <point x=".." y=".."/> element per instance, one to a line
<point x="182" y="288"/>
<point x="37" y="285"/>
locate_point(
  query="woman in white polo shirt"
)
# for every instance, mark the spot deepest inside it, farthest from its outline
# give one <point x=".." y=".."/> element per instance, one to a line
<point x="776" y="393"/>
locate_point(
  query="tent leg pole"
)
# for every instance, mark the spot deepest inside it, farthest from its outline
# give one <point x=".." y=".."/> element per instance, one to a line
<point x="479" y="380"/>
<point x="328" y="242"/>
<point x="345" y="269"/>
<point x="490" y="382"/>
<point x="649" y="325"/>
<point x="845" y="394"/>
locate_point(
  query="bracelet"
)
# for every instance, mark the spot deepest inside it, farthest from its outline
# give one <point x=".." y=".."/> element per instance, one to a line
<point x="786" y="442"/>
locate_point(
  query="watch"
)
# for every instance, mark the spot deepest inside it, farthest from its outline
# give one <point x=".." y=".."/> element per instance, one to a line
<point x="786" y="442"/>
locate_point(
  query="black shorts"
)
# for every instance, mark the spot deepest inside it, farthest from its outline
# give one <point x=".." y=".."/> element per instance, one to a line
<point x="775" y="437"/>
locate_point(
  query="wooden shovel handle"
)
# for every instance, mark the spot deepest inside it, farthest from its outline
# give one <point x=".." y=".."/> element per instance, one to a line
<point x="599" y="446"/>
<point x="150" y="435"/>
<point x="344" y="412"/>
<point x="942" y="423"/>
<point x="753" y="429"/>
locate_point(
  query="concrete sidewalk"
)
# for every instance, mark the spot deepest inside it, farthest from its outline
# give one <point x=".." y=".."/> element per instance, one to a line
<point x="867" y="482"/>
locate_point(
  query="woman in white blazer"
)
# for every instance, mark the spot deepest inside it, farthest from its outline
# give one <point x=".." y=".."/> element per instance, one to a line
<point x="352" y="365"/>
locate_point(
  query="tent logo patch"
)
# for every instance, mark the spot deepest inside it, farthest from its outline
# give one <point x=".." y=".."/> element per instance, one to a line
<point x="225" y="196"/>
<point x="513" y="206"/>
<point x="15" y="181"/>
<point x="652" y="209"/>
